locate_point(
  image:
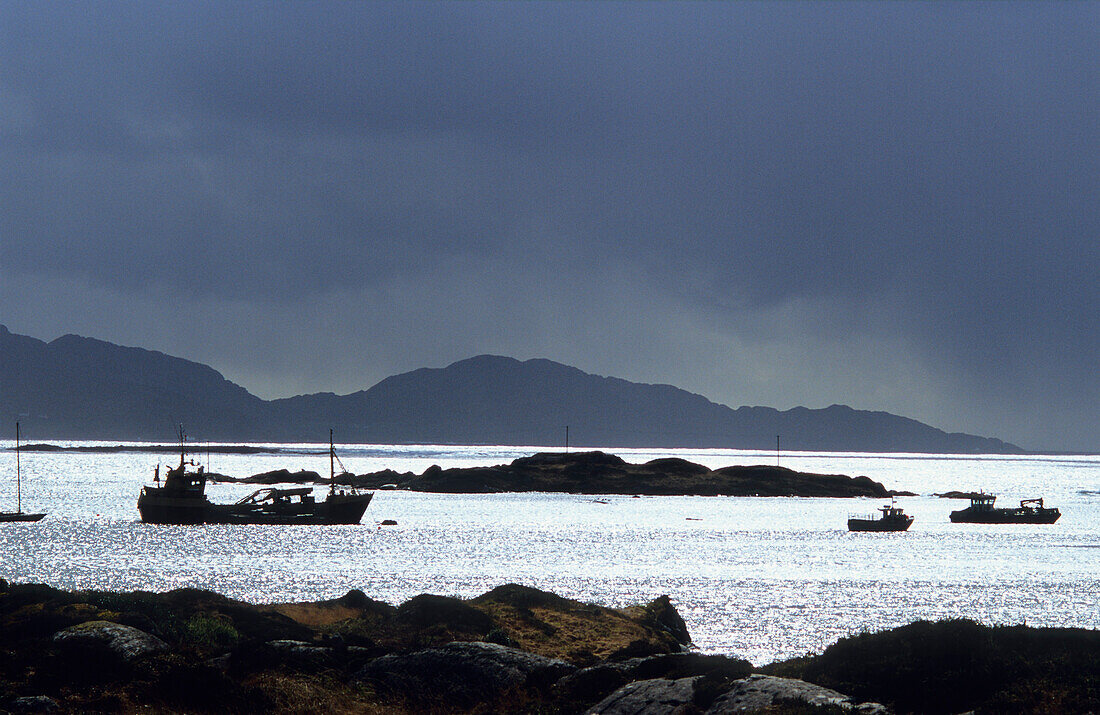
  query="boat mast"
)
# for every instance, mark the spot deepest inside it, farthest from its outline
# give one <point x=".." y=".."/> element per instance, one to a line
<point x="331" y="464"/>
<point x="181" y="446"/>
<point x="18" y="489"/>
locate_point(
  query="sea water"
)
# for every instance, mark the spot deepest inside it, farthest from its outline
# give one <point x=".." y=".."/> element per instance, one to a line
<point x="759" y="578"/>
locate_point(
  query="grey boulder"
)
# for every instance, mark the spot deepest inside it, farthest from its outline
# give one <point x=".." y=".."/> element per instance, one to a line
<point x="126" y="643"/>
<point x="34" y="704"/>
<point x="298" y="654"/>
<point x="658" y="696"/>
<point x="463" y="673"/>
<point x="758" y="693"/>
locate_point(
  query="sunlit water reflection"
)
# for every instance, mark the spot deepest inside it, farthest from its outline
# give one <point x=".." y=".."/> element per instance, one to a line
<point x="761" y="578"/>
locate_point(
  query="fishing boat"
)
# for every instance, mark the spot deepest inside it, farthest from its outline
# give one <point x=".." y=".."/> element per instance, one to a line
<point x="893" y="518"/>
<point x="982" y="511"/>
<point x="18" y="514"/>
<point x="293" y="506"/>
<point x="182" y="500"/>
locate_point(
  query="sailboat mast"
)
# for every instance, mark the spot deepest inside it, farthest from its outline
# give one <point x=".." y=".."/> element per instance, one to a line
<point x="331" y="464"/>
<point x="18" y="488"/>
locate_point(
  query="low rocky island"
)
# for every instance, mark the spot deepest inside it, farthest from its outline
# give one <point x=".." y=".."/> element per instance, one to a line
<point x="513" y="649"/>
<point x="601" y="473"/>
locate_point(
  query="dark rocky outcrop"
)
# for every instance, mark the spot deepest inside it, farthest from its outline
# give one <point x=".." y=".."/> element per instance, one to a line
<point x="33" y="704"/>
<point x="958" y="495"/>
<point x="658" y="696"/>
<point x="513" y="649"/>
<point x="103" y="638"/>
<point x="463" y="674"/>
<point x="285" y="476"/>
<point x="704" y="694"/>
<point x="582" y="633"/>
<point x="597" y="682"/>
<point x="765" y="693"/>
<point x="601" y="473"/>
<point x="958" y="665"/>
<point x="427" y="610"/>
<point x="298" y="655"/>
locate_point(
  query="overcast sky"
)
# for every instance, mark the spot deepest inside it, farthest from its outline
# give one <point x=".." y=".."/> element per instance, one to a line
<point x="891" y="206"/>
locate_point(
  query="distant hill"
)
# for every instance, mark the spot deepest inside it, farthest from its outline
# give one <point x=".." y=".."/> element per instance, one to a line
<point x="81" y="388"/>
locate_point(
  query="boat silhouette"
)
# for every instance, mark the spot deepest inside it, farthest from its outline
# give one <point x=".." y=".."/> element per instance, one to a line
<point x="893" y="518"/>
<point x="182" y="500"/>
<point x="18" y="514"/>
<point x="982" y="511"/>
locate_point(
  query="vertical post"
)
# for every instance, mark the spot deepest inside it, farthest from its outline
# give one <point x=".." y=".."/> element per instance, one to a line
<point x="18" y="489"/>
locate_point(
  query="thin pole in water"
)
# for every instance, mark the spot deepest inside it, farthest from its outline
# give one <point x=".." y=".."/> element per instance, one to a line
<point x="331" y="464"/>
<point x="18" y="488"/>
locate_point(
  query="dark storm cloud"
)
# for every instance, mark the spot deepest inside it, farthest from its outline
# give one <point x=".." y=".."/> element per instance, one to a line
<point x="924" y="171"/>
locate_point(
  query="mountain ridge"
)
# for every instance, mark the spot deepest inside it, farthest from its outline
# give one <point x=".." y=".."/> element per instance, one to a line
<point x="85" y="388"/>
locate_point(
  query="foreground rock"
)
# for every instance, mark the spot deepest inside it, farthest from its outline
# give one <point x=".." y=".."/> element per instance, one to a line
<point x="33" y="704"/>
<point x="597" y="682"/>
<point x="763" y="693"/>
<point x="600" y="473"/>
<point x="649" y="697"/>
<point x="957" y="666"/>
<point x="752" y="694"/>
<point x="463" y="674"/>
<point x="197" y="651"/>
<point x="513" y="649"/>
<point x="98" y="638"/>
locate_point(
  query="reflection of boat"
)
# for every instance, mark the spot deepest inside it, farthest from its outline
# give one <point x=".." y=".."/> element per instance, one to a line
<point x="893" y="518"/>
<point x="18" y="514"/>
<point x="182" y="500"/>
<point x="982" y="511"/>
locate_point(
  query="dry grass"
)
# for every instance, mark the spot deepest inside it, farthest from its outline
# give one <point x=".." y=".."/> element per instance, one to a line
<point x="579" y="635"/>
<point x="313" y="615"/>
<point x="298" y="694"/>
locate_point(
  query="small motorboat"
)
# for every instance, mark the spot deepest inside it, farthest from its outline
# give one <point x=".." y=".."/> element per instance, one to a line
<point x="893" y="518"/>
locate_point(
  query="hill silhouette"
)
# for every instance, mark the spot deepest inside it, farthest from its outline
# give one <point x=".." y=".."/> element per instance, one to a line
<point x="82" y="388"/>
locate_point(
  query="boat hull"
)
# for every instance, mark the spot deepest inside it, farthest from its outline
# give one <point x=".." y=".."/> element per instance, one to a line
<point x="1006" y="516"/>
<point x="8" y="517"/>
<point x="334" y="510"/>
<point x="158" y="509"/>
<point x="879" y="524"/>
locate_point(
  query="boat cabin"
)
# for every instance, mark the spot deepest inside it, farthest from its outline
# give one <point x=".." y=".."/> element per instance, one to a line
<point x="982" y="501"/>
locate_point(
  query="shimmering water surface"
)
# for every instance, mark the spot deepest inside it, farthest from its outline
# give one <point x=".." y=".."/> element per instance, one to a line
<point x="760" y="578"/>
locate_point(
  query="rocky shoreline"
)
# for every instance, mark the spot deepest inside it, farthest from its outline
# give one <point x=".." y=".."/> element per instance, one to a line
<point x="513" y="649"/>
